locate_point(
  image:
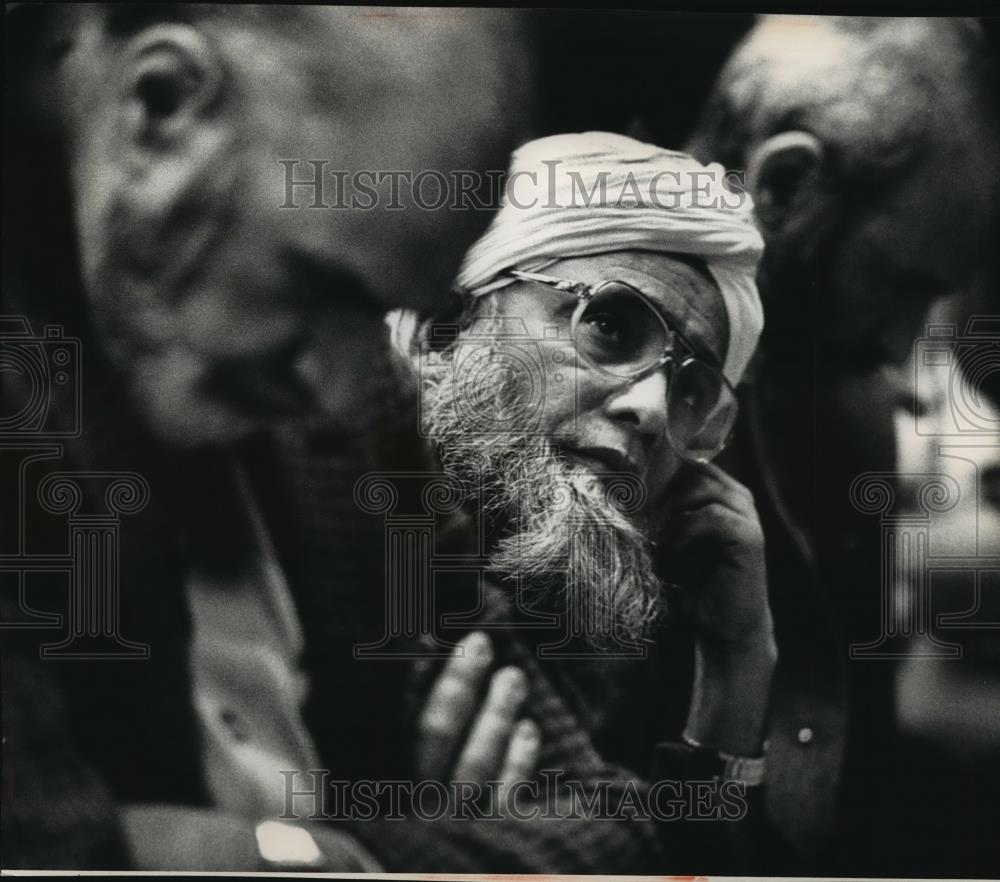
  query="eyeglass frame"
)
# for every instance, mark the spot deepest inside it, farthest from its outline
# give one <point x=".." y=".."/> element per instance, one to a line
<point x="585" y="293"/>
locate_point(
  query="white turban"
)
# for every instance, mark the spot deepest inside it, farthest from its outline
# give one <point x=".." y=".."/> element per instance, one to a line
<point x="555" y="207"/>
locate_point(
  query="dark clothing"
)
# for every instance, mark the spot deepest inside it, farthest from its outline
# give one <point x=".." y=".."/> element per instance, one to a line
<point x="807" y="724"/>
<point x="847" y="792"/>
<point x="823" y="582"/>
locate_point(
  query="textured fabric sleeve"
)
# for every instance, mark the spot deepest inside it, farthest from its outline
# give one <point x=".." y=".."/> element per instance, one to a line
<point x="598" y="838"/>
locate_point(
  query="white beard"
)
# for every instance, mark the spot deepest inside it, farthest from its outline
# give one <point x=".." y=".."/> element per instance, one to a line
<point x="558" y="529"/>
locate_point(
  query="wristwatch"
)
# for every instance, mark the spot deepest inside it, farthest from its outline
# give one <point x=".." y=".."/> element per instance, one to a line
<point x="708" y="763"/>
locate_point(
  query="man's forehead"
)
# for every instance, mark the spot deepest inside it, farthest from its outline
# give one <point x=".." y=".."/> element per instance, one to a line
<point x="404" y="37"/>
<point x="414" y="89"/>
<point x="688" y="297"/>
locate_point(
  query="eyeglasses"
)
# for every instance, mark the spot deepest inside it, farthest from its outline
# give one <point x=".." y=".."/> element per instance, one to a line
<point x="618" y="332"/>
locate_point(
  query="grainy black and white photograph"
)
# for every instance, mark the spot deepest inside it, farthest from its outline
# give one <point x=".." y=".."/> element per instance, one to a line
<point x="457" y="441"/>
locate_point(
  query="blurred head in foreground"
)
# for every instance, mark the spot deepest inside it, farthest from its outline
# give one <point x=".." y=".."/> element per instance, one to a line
<point x="225" y="293"/>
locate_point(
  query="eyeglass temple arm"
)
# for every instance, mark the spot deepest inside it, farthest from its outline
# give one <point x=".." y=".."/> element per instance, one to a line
<point x="552" y="281"/>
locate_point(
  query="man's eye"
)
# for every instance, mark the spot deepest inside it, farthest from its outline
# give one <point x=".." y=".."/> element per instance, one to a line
<point x="605" y="325"/>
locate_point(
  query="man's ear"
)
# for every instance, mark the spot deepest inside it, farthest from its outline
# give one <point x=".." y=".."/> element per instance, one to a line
<point x="172" y="80"/>
<point x="784" y="175"/>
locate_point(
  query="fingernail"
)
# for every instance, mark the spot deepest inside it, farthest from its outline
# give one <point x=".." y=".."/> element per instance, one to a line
<point x="513" y="682"/>
<point x="477" y="645"/>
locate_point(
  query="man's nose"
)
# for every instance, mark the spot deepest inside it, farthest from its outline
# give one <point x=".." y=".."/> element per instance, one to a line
<point x="641" y="403"/>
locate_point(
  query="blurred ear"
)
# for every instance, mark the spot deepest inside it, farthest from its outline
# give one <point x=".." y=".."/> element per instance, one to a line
<point x="784" y="176"/>
<point x="172" y="80"/>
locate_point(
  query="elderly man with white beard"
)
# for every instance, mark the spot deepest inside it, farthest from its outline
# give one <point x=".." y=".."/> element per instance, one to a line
<point x="579" y="390"/>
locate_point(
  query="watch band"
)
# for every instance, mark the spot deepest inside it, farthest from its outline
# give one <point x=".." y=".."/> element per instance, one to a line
<point x="729" y="767"/>
<point x="749" y="770"/>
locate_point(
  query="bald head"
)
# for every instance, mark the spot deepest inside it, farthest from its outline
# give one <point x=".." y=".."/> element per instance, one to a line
<point x="864" y="86"/>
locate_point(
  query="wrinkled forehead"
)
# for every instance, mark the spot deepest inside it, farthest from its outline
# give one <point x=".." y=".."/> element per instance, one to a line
<point x="679" y="285"/>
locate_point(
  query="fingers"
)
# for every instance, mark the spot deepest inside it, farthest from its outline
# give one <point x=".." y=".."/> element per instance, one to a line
<point x="707" y="478"/>
<point x="520" y="762"/>
<point x="522" y="753"/>
<point x="451" y="705"/>
<point x="718" y="523"/>
<point x="487" y="745"/>
<point x="495" y="743"/>
<point x="708" y="484"/>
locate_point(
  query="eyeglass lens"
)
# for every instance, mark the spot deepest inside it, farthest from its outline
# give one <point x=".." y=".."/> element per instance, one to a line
<point x="700" y="410"/>
<point x="620" y="332"/>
